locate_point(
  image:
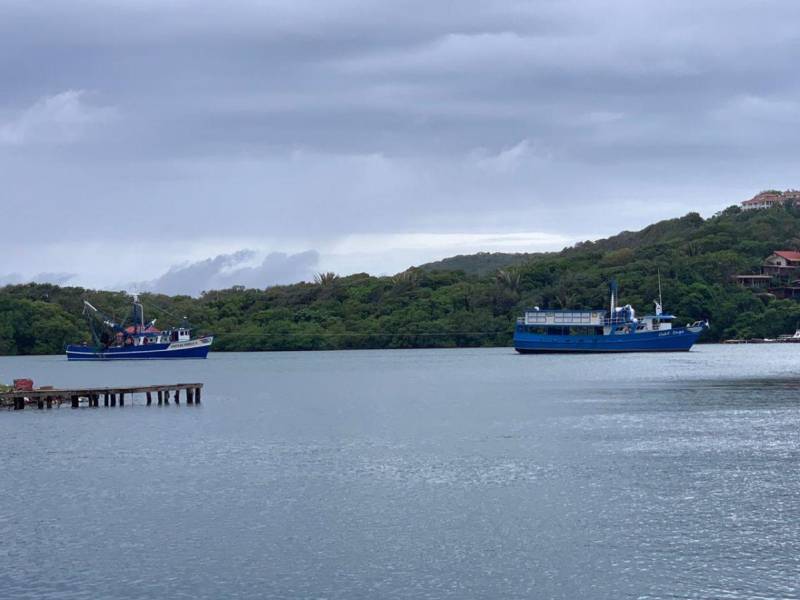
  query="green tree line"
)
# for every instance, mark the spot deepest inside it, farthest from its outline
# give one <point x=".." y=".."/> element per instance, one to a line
<point x="435" y="307"/>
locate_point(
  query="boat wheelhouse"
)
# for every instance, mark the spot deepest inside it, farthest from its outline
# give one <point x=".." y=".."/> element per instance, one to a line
<point x="137" y="341"/>
<point x="615" y="330"/>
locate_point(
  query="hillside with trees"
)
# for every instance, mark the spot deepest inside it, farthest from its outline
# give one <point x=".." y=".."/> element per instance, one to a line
<point x="432" y="307"/>
<point x="482" y="263"/>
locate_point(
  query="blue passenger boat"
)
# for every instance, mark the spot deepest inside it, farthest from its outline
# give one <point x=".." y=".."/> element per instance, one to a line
<point x="138" y="341"/>
<point x="618" y="330"/>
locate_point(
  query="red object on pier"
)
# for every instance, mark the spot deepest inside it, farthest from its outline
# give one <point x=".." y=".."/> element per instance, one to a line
<point x="23" y="385"/>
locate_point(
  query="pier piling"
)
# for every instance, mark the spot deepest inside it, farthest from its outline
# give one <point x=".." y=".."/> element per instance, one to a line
<point x="46" y="397"/>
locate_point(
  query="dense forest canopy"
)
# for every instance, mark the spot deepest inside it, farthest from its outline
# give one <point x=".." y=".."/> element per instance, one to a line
<point x="482" y="263"/>
<point x="432" y="307"/>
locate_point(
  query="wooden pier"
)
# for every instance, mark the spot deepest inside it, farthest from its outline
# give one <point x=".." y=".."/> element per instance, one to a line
<point x="44" y="398"/>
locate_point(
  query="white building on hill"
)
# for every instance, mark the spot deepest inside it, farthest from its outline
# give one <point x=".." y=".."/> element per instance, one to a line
<point x="770" y="198"/>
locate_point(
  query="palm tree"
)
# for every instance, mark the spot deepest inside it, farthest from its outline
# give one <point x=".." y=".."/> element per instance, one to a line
<point x="325" y="279"/>
<point x="508" y="279"/>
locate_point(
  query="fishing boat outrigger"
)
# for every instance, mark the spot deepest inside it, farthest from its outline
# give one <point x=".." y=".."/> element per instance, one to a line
<point x="618" y="330"/>
<point x="137" y="341"/>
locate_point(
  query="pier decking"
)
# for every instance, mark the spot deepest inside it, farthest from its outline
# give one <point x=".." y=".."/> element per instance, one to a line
<point x="90" y="397"/>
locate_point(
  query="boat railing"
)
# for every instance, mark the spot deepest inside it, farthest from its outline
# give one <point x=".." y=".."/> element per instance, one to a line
<point x="616" y="321"/>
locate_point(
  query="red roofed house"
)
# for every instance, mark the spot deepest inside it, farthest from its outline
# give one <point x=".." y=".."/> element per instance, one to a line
<point x="793" y="195"/>
<point x="780" y="275"/>
<point x="782" y="263"/>
<point x="763" y="200"/>
<point x="771" y="198"/>
<point x="784" y="267"/>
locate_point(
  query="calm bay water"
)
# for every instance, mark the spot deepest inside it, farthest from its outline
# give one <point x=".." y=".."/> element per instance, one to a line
<point x="411" y="474"/>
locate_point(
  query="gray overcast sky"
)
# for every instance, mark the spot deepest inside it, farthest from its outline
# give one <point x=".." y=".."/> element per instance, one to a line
<point x="188" y="145"/>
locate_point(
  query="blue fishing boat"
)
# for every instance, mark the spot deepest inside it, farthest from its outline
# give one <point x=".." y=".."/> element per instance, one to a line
<point x="113" y="341"/>
<point x="616" y="330"/>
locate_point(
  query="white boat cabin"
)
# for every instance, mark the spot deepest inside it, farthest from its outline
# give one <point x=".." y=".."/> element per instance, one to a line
<point x="181" y="334"/>
<point x="655" y="323"/>
<point x="621" y="321"/>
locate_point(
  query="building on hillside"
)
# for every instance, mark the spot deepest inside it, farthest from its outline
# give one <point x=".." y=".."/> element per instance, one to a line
<point x="791" y="291"/>
<point x="779" y="276"/>
<point x="771" y="198"/>
<point x="783" y="264"/>
<point x="754" y="282"/>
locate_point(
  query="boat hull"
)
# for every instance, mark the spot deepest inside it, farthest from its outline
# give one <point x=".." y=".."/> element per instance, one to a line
<point x="680" y="339"/>
<point x="175" y="350"/>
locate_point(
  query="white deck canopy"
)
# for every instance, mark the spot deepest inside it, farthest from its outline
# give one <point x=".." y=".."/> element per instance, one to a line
<point x="565" y="318"/>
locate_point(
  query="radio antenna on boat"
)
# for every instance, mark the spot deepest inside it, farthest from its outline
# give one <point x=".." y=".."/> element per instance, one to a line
<point x="613" y="306"/>
<point x="660" y="301"/>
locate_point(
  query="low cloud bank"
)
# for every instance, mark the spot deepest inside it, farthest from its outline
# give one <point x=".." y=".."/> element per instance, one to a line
<point x="55" y="278"/>
<point x="238" y="268"/>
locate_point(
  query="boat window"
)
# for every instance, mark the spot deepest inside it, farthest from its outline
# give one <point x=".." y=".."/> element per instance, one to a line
<point x="536" y="330"/>
<point x="582" y="330"/>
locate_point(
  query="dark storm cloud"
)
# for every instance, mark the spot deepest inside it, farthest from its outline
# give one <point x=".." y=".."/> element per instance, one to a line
<point x="304" y="121"/>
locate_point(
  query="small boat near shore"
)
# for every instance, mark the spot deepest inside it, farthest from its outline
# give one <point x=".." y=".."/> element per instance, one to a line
<point x="781" y="339"/>
<point x="616" y="330"/>
<point x="139" y="341"/>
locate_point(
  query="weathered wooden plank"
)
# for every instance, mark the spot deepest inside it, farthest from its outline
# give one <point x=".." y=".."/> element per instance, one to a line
<point x="42" y="397"/>
<point x="101" y="390"/>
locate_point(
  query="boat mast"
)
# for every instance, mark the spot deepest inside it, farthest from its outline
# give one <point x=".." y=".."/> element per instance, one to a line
<point x="660" y="301"/>
<point x="613" y="297"/>
<point x="138" y="315"/>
